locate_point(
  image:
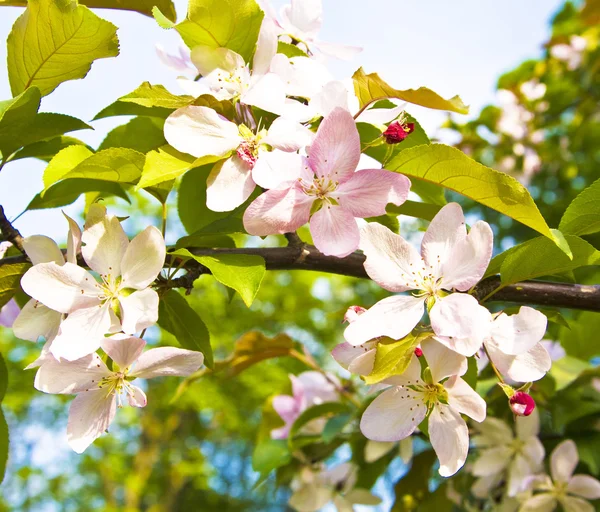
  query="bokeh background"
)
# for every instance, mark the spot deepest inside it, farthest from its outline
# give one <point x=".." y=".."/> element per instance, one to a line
<point x="191" y="450"/>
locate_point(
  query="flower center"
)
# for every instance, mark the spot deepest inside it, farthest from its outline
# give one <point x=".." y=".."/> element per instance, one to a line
<point x="117" y="384"/>
<point x="248" y="152"/>
<point x="320" y="188"/>
<point x="231" y="81"/>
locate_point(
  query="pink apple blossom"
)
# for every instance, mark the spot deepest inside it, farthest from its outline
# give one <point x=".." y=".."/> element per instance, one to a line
<point x="450" y="260"/>
<point x="327" y="181"/>
<point x="100" y="390"/>
<point x="442" y="396"/>
<point x="8" y="313"/>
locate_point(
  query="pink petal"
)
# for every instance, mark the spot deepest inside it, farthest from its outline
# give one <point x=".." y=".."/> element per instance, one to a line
<point x="229" y="184"/>
<point x="335" y="151"/>
<point x="393" y="316"/>
<point x="367" y="192"/>
<point x="515" y="334"/>
<point x="287" y="407"/>
<point x="167" y="361"/>
<point x="391" y="260"/>
<point x="136" y="397"/>
<point x="278" y="211"/>
<point x="464" y="399"/>
<point x="9" y="313"/>
<point x="68" y="377"/>
<point x="334" y="231"/>
<point x="123" y="350"/>
<point x="138" y="310"/>
<point x="90" y="415"/>
<point x="363" y="364"/>
<point x="525" y="367"/>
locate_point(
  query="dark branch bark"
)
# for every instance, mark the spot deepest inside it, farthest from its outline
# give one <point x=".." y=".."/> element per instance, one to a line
<point x="306" y="257"/>
<point x="9" y="232"/>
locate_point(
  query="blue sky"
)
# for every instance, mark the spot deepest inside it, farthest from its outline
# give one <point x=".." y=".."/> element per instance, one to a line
<point x="457" y="47"/>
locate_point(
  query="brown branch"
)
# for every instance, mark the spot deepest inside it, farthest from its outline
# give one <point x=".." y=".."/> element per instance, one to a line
<point x="307" y="257"/>
<point x="9" y="232"/>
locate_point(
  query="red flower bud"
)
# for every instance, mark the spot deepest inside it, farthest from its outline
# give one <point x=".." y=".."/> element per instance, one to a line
<point x="418" y="352"/>
<point x="353" y="313"/>
<point x="522" y="404"/>
<point x="396" y="132"/>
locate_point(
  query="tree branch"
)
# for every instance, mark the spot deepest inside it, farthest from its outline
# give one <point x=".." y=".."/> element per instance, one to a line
<point x="9" y="232"/>
<point x="307" y="257"/>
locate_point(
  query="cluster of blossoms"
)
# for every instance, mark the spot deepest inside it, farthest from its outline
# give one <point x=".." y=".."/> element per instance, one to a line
<point x="77" y="312"/>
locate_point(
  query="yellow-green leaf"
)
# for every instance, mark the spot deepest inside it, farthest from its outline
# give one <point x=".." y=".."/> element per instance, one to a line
<point x="582" y="217"/>
<point x="54" y="41"/>
<point x="10" y="277"/>
<point x="392" y="358"/>
<point x="148" y="95"/>
<point x="369" y="88"/>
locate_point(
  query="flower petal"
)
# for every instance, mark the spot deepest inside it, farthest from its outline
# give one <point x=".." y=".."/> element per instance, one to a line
<point x="288" y="135"/>
<point x="278" y="211"/>
<point x="123" y="350"/>
<point x="335" y="151"/>
<point x="303" y="15"/>
<point x="90" y="415"/>
<point x="465" y="399"/>
<point x="528" y="366"/>
<point x="266" y="46"/>
<point x="303" y="77"/>
<point x="379" y="115"/>
<point x="36" y="320"/>
<point x="339" y="51"/>
<point x="571" y="504"/>
<point x="516" y="334"/>
<point x="207" y="59"/>
<point x="69" y="377"/>
<point x="334" y="231"/>
<point x="82" y="332"/>
<point x="287" y="407"/>
<point x="273" y="168"/>
<point x="310" y="498"/>
<point x="449" y="437"/>
<point x="391" y="260"/>
<point x="200" y="131"/>
<point x="229" y="184"/>
<point x="393" y="415"/>
<point x="65" y="288"/>
<point x="332" y="95"/>
<point x="136" y="397"/>
<point x="367" y="192"/>
<point x="139" y="310"/>
<point x="105" y="245"/>
<point x="584" y="486"/>
<point x="563" y="461"/>
<point x="42" y="249"/>
<point x="492" y="461"/>
<point x="442" y="361"/>
<point x="143" y="259"/>
<point x="167" y="361"/>
<point x="374" y="450"/>
<point x="344" y="353"/>
<point x="528" y="426"/>
<point x="468" y="259"/>
<point x="73" y="240"/>
<point x="518" y="472"/>
<point x="539" y="503"/>
<point x="393" y="316"/>
<point x="266" y="92"/>
<point x="363" y="364"/>
<point x="9" y="314"/>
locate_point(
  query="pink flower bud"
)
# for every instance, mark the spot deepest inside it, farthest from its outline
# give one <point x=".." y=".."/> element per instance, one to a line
<point x="353" y="313"/>
<point x="418" y="352"/>
<point x="396" y="132"/>
<point x="522" y="404"/>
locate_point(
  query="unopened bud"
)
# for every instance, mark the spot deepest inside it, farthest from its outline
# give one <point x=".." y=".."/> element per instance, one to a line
<point x="418" y="352"/>
<point x="353" y="313"/>
<point x="397" y="131"/>
<point x="522" y="404"/>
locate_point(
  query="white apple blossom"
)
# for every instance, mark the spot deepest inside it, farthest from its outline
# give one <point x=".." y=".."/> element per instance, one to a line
<point x="571" y="53"/>
<point x="442" y="396"/>
<point x="247" y="158"/>
<point x="314" y="488"/>
<point x="100" y="390"/>
<point x="451" y="260"/>
<point x="504" y="456"/>
<point x="122" y="300"/>
<point x="572" y="492"/>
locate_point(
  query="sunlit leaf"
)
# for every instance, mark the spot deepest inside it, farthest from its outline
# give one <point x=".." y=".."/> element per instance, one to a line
<point x="582" y="217"/>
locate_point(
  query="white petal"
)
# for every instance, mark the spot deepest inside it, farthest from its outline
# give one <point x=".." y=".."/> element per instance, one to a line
<point x="207" y="59"/>
<point x="123" y="350"/>
<point x="194" y="88"/>
<point x="36" y="320"/>
<point x="137" y="398"/>
<point x="42" y="249"/>
<point x="63" y="288"/>
<point x="563" y="461"/>
<point x="516" y="334"/>
<point x="105" y="244"/>
<point x="449" y="437"/>
<point x="266" y="47"/>
<point x="518" y="472"/>
<point x="393" y="415"/>
<point x="344" y="353"/>
<point x="465" y="399"/>
<point x="164" y="361"/>
<point x="528" y="426"/>
<point x="442" y="361"/>
<point x="82" y="332"/>
<point x="342" y="504"/>
<point x="276" y="167"/>
<point x="42" y="358"/>
<point x="391" y="260"/>
<point x="484" y="485"/>
<point x="229" y="184"/>
<point x="363" y="364"/>
<point x="143" y="259"/>
<point x="533" y="451"/>
<point x="571" y="504"/>
<point x="139" y="310"/>
<point x="90" y="415"/>
<point x="411" y="375"/>
<point x="200" y="131"/>
<point x="288" y="135"/>
<point x="267" y="93"/>
<point x="492" y="461"/>
<point x="310" y="498"/>
<point x="73" y="240"/>
<point x="380" y="115"/>
<point x="584" y="486"/>
<point x="393" y="316"/>
<point x="528" y="366"/>
<point x="539" y="503"/>
<point x="332" y="95"/>
<point x="69" y="377"/>
<point x="493" y="432"/>
<point x="339" y="51"/>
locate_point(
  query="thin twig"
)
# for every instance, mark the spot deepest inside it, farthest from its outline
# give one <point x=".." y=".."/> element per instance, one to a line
<point x="10" y="233"/>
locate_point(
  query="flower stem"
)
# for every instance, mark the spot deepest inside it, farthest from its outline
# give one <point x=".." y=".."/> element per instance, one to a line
<point x="498" y="374"/>
<point x="164" y="219"/>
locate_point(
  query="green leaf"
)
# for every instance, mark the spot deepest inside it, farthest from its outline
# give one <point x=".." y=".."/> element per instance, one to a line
<point x="142" y="134"/>
<point x="46" y="149"/>
<point x="424" y="211"/>
<point x="68" y="191"/>
<point x="449" y="167"/>
<point x="123" y="108"/>
<point x="566" y="370"/>
<point x="232" y="24"/>
<point x="54" y="41"/>
<point x="327" y="409"/>
<point x="166" y="163"/>
<point x="582" y="216"/>
<point x="120" y="165"/>
<point x="148" y="95"/>
<point x="206" y="241"/>
<point x="334" y="426"/>
<point x="414" y="486"/>
<point x="392" y="358"/>
<point x="541" y="257"/>
<point x="576" y="340"/>
<point x="10" y="277"/>
<point x="269" y="455"/>
<point x="290" y="50"/>
<point x="177" y="317"/>
<point x="470" y="377"/>
<point x="242" y="272"/>
<point x="162" y="20"/>
<point x="3" y="445"/>
<point x="161" y="192"/>
<point x="3" y="378"/>
<point x="369" y="88"/>
<point x="15" y="115"/>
